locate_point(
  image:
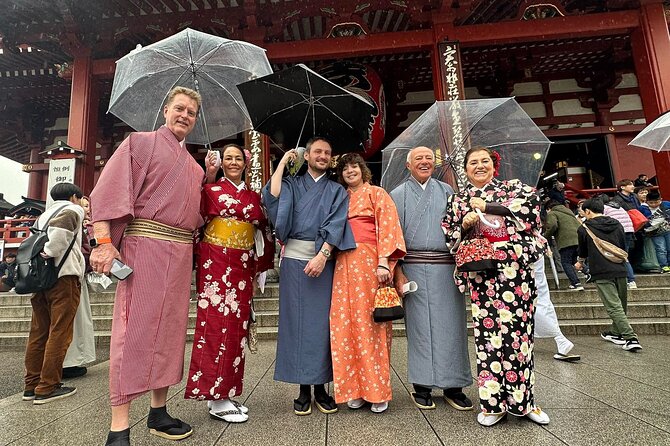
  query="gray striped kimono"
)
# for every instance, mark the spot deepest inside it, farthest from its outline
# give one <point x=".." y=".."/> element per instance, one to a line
<point x="437" y="344"/>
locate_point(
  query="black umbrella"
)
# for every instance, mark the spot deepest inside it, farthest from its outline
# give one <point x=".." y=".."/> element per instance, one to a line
<point x="295" y="104"/>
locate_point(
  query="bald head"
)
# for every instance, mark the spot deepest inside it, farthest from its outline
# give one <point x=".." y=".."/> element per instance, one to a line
<point x="421" y="163"/>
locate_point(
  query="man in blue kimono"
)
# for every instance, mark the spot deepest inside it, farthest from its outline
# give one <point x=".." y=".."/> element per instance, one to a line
<point x="309" y="213"/>
<point x="437" y="338"/>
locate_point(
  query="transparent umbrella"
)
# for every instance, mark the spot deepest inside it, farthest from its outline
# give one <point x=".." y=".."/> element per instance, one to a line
<point x="450" y="128"/>
<point x="208" y="64"/>
<point x="655" y="136"/>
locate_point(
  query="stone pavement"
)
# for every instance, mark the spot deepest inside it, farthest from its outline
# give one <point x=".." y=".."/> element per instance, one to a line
<point x="611" y="397"/>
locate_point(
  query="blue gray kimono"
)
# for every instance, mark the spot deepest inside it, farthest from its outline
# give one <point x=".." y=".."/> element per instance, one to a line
<point x="435" y="319"/>
<point x="309" y="211"/>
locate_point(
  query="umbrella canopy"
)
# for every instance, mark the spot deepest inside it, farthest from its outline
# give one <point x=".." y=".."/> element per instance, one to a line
<point x="208" y="64"/>
<point x="655" y="136"/>
<point x="295" y="104"/>
<point x="450" y="128"/>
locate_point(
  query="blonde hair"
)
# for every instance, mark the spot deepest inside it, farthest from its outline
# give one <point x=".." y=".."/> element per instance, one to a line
<point x="185" y="91"/>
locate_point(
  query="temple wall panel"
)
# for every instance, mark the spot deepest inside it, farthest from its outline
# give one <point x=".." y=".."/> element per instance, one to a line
<point x="632" y="161"/>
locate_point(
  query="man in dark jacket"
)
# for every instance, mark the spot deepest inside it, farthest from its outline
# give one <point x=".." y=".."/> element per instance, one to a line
<point x="610" y="277"/>
<point x="562" y="225"/>
<point x="625" y="196"/>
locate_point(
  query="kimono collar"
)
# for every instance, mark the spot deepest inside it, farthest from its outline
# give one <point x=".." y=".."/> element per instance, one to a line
<point x="424" y="185"/>
<point x="488" y="188"/>
<point x="240" y="187"/>
<point x="168" y="132"/>
<point x="316" y="180"/>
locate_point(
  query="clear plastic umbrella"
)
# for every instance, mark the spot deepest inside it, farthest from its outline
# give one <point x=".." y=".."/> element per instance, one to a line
<point x="208" y="64"/>
<point x="655" y="136"/>
<point x="450" y="128"/>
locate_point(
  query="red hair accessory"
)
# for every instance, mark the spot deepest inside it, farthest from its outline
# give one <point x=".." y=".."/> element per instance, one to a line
<point x="495" y="156"/>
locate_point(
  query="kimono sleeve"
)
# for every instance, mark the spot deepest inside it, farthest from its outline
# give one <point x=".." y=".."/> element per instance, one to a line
<point x="453" y="220"/>
<point x="335" y="229"/>
<point x="280" y="209"/>
<point x="113" y="197"/>
<point x="119" y="186"/>
<point x="524" y="205"/>
<point x="390" y="240"/>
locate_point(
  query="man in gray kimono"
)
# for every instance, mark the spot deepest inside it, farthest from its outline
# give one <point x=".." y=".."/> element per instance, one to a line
<point x="435" y="320"/>
<point x="309" y="213"/>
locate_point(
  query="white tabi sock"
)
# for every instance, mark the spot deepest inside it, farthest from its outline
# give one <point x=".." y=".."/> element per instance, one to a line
<point x="563" y="344"/>
<point x="221" y="405"/>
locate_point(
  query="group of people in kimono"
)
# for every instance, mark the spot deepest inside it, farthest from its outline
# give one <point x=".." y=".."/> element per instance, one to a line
<point x="340" y="243"/>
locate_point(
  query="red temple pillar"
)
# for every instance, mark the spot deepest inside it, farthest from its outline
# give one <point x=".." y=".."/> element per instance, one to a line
<point x="35" y="178"/>
<point x="651" y="46"/>
<point x="83" y="121"/>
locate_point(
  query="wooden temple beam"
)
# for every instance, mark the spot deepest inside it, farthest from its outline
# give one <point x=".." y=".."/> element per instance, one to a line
<point x="572" y="27"/>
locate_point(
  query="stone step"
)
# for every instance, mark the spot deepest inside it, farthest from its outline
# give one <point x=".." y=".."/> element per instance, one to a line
<point x="11" y="299"/>
<point x="590" y="295"/>
<point x="642" y="281"/>
<point x="642" y="326"/>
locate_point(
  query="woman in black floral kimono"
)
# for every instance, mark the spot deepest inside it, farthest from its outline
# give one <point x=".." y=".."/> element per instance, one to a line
<point x="502" y="298"/>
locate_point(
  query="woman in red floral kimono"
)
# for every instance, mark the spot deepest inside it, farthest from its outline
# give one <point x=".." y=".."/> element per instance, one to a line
<point x="236" y="247"/>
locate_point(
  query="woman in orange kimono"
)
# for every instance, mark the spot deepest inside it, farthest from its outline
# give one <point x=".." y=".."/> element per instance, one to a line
<point x="360" y="347"/>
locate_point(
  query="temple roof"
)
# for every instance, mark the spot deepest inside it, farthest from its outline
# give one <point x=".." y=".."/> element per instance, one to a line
<point x="39" y="40"/>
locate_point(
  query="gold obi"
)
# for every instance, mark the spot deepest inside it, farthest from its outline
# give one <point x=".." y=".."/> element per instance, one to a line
<point x="229" y="233"/>
<point x="141" y="227"/>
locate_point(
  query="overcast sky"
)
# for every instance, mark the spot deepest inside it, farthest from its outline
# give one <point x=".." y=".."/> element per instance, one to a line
<point x="13" y="182"/>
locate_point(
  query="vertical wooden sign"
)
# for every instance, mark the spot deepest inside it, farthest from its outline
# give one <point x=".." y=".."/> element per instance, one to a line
<point x="257" y="172"/>
<point x="452" y="150"/>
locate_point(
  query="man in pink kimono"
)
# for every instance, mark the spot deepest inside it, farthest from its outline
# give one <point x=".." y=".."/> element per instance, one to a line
<point x="146" y="204"/>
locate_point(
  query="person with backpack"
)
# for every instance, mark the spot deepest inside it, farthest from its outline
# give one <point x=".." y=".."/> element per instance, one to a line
<point x="607" y="270"/>
<point x="54" y="308"/>
<point x="657" y="211"/>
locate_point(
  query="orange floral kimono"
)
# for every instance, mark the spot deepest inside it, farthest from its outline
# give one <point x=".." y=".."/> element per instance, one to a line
<point x="360" y="347"/>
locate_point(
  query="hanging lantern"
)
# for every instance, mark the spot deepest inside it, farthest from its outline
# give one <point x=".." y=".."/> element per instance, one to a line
<point x="364" y="81"/>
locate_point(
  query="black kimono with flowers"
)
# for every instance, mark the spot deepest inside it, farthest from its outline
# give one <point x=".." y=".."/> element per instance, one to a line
<point x="502" y="299"/>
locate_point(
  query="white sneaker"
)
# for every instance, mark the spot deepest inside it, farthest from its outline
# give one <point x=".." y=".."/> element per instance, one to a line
<point x="632" y="285"/>
<point x="379" y="407"/>
<point x="356" y="404"/>
<point x="489" y="419"/>
<point x="538" y="416"/>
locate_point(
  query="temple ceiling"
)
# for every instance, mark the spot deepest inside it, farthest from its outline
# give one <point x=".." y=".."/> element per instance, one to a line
<point x="40" y="38"/>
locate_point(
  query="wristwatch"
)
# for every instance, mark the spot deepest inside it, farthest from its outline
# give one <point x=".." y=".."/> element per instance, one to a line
<point x="95" y="242"/>
<point x="325" y="252"/>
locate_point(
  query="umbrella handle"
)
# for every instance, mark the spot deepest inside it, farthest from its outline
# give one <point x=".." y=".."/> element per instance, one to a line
<point x="494" y="225"/>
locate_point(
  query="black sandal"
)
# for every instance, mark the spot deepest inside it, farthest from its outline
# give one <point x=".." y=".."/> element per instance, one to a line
<point x="325" y="404"/>
<point x="302" y="407"/>
<point x="423" y="401"/>
<point x="171" y="429"/>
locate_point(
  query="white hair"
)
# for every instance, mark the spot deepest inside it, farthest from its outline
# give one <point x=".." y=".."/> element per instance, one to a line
<point x="409" y="154"/>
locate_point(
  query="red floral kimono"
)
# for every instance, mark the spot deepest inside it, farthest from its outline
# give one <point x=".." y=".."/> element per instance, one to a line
<point x="227" y="264"/>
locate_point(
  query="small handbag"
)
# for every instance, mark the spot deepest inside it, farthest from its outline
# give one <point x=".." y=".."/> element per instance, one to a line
<point x="388" y="305"/>
<point x="475" y="254"/>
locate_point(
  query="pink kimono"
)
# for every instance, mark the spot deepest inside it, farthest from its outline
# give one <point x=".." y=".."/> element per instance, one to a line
<point x="150" y="176"/>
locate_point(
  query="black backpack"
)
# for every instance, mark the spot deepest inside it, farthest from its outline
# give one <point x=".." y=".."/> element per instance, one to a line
<point x="33" y="272"/>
